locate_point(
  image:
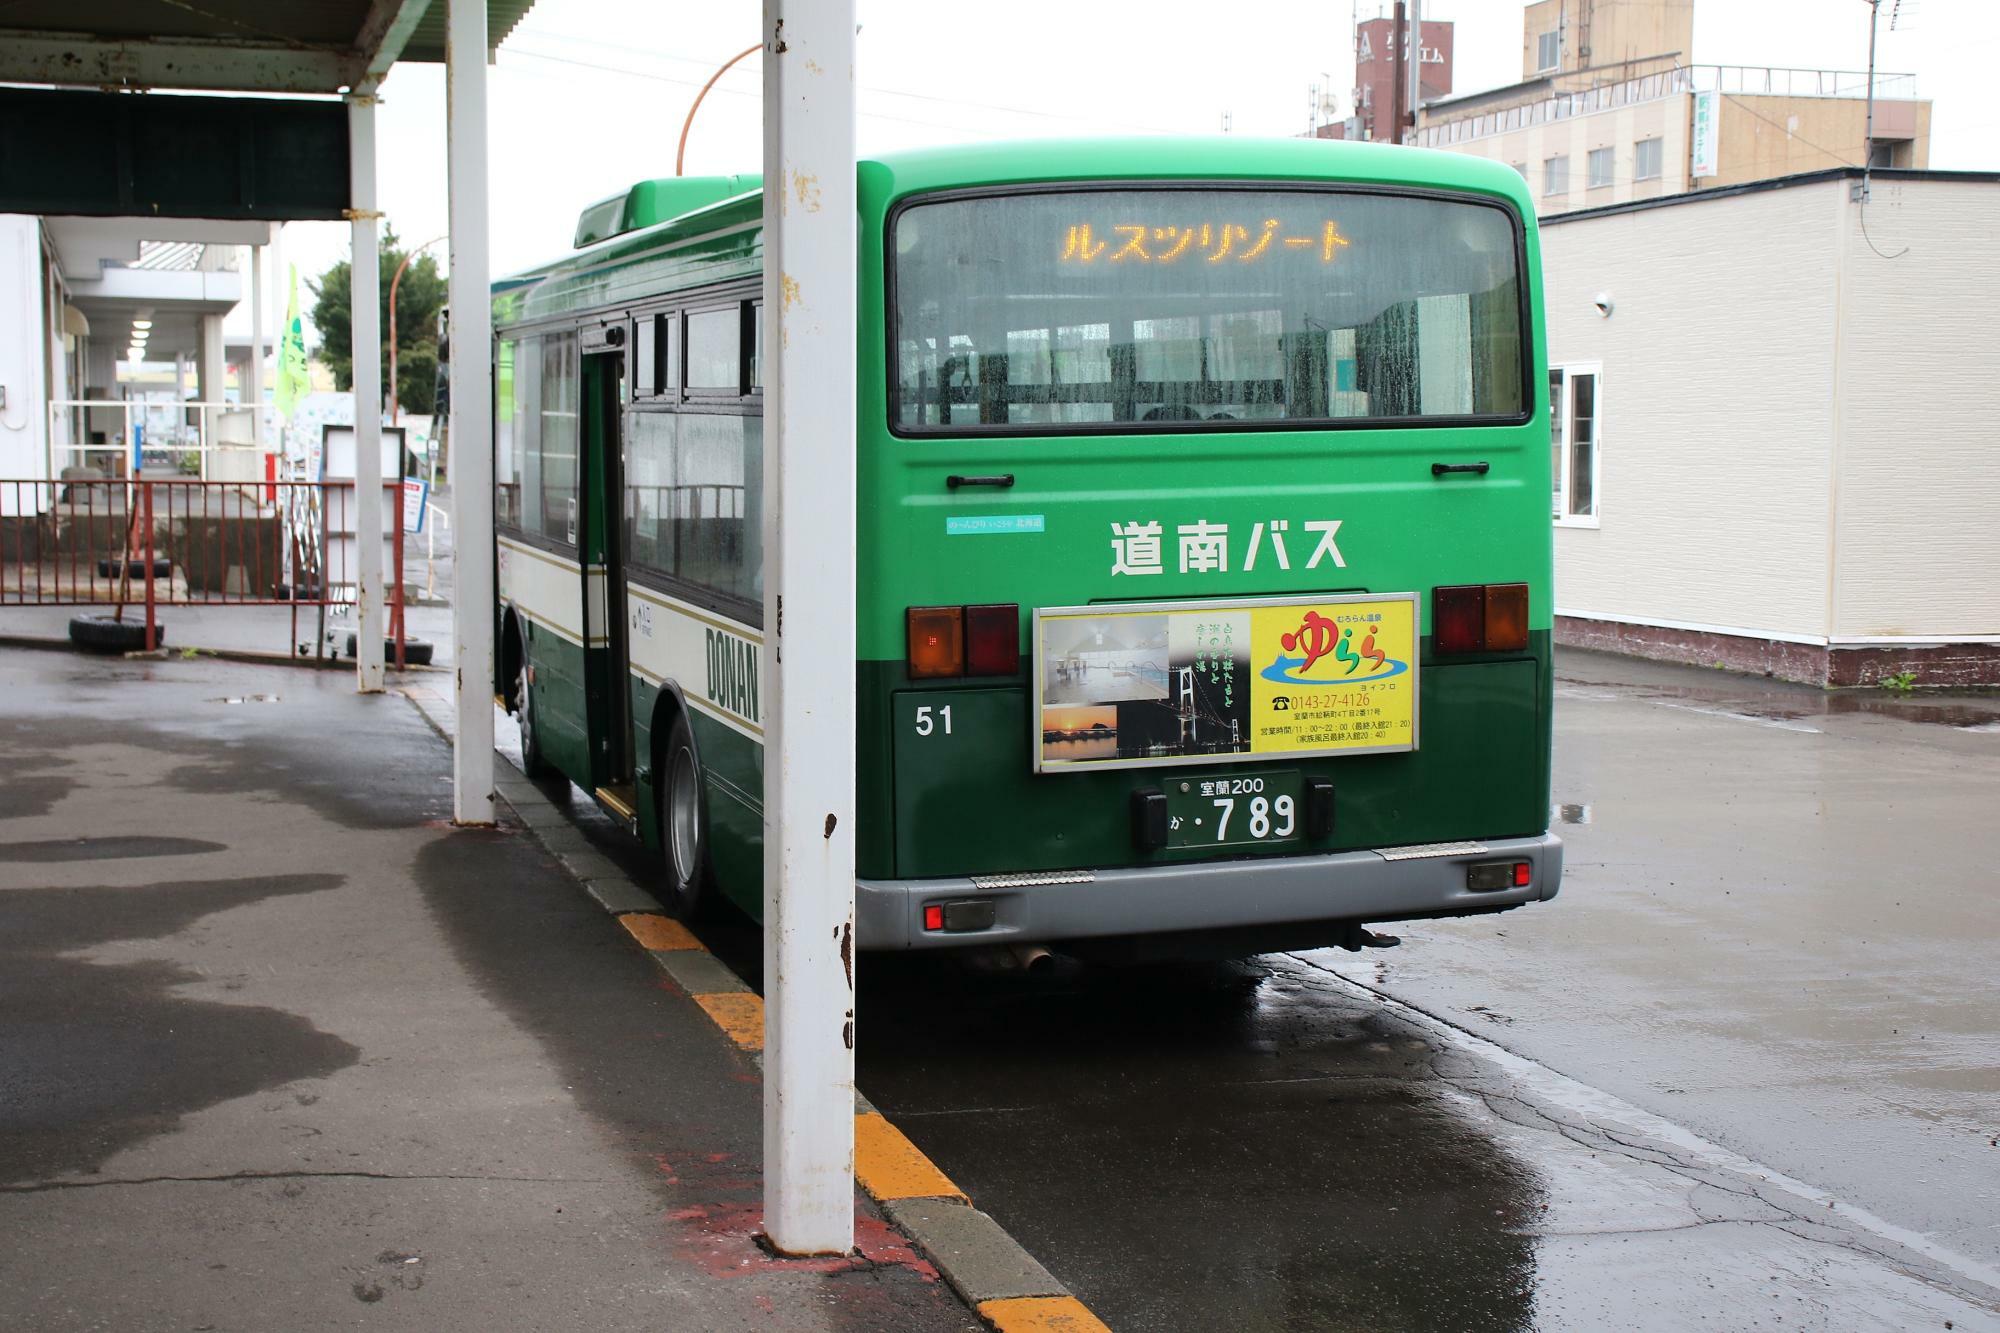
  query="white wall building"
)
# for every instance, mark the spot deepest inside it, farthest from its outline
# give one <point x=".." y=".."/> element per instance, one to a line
<point x="1777" y="433"/>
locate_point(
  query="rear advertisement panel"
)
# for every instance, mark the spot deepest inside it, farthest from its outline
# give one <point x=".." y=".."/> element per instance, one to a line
<point x="1153" y="684"/>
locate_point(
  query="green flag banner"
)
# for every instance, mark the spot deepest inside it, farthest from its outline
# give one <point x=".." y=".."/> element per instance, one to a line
<point x="293" y="379"/>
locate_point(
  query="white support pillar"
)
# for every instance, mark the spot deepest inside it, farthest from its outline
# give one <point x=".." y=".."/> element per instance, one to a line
<point x="253" y="383"/>
<point x="471" y="432"/>
<point x="809" y="516"/>
<point x="367" y="345"/>
<point x="211" y="370"/>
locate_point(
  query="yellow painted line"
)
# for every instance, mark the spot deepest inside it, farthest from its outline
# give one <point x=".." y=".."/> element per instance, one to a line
<point x="659" y="932"/>
<point x="889" y="1166"/>
<point x="738" y="1013"/>
<point x="886" y="1163"/>
<point x="1041" y="1314"/>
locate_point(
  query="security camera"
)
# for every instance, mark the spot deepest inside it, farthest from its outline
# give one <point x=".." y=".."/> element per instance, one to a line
<point x="1603" y="303"/>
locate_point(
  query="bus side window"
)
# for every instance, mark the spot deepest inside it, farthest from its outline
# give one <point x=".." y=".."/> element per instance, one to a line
<point x="506" y="456"/>
<point x="560" y="391"/>
<point x="715" y="352"/>
<point x="526" y="477"/>
<point x="718" y="495"/>
<point x="649" y="489"/>
<point x="646" y="356"/>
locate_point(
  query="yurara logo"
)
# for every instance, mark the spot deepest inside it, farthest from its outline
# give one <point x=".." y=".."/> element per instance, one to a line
<point x="1331" y="649"/>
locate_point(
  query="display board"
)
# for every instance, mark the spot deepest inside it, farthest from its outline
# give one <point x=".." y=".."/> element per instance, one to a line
<point x="1134" y="685"/>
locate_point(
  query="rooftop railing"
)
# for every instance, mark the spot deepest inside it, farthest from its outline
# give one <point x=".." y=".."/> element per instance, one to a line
<point x="1730" y="80"/>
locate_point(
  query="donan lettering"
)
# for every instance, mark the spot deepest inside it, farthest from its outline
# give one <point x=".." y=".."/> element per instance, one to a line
<point x="732" y="674"/>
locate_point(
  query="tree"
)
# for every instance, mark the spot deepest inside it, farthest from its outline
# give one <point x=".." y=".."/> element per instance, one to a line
<point x="418" y="299"/>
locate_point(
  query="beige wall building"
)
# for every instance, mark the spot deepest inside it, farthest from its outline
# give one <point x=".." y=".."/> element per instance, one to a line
<point x="1612" y="108"/>
<point x="1804" y="479"/>
<point x="1569" y="36"/>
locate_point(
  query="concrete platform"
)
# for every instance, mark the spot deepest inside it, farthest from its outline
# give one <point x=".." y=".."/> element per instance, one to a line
<point x="279" y="1048"/>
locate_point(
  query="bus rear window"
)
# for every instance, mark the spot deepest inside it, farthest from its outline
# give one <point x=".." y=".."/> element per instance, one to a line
<point x="1071" y="312"/>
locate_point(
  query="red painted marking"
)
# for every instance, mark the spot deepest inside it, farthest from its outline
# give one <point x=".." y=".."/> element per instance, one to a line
<point x="721" y="1240"/>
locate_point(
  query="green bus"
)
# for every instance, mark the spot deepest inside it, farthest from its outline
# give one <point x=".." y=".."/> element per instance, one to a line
<point x="1204" y="556"/>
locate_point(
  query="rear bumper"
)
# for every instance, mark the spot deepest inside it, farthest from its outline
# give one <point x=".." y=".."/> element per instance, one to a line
<point x="1388" y="884"/>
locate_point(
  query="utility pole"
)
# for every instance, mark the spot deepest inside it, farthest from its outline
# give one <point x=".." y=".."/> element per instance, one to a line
<point x="1416" y="58"/>
<point x="1396" y="89"/>
<point x="1868" y="131"/>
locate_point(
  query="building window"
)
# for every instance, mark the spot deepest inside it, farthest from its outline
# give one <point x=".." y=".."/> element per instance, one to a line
<point x="1576" y="411"/>
<point x="1600" y="167"/>
<point x="1555" y="175"/>
<point x="1548" y="50"/>
<point x="1646" y="159"/>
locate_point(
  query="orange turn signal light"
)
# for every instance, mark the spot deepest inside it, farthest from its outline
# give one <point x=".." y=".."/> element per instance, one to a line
<point x="1480" y="618"/>
<point x="936" y="641"/>
<point x="1506" y="617"/>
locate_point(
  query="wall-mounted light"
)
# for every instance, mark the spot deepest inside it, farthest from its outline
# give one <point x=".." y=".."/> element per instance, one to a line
<point x="1603" y="303"/>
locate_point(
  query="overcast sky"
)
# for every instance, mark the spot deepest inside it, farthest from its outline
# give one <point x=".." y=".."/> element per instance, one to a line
<point x="589" y="95"/>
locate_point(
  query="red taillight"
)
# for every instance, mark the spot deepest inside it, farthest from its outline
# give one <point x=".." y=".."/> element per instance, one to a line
<point x="934" y="916"/>
<point x="1524" y="874"/>
<point x="993" y="640"/>
<point x="1480" y="618"/>
<point x="1458" y="618"/>
<point x="937" y="641"/>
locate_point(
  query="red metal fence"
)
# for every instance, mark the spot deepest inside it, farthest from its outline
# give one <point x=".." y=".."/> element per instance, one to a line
<point x="142" y="544"/>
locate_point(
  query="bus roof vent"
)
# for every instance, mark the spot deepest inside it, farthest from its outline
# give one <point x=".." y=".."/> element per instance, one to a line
<point x="656" y="201"/>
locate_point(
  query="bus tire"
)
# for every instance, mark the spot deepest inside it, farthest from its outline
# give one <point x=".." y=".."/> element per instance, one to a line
<point x="533" y="764"/>
<point x="683" y="814"/>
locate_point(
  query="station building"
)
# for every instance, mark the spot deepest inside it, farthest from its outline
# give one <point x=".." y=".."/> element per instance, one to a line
<point x="111" y="332"/>
<point x="1773" y="435"/>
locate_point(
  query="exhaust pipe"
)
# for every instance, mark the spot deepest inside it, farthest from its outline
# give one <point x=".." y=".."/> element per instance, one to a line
<point x="1003" y="959"/>
<point x="1031" y="958"/>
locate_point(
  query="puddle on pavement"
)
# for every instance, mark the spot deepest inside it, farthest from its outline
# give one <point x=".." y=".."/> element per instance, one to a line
<point x="104" y="849"/>
<point x="105" y="1056"/>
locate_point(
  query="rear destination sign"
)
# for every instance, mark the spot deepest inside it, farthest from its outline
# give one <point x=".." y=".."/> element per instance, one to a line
<point x="1164" y="683"/>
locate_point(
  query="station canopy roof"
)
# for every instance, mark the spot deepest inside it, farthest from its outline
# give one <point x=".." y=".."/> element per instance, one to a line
<point x="293" y="46"/>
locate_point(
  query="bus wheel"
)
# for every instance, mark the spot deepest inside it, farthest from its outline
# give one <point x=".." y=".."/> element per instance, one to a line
<point x="683" y="834"/>
<point x="533" y="765"/>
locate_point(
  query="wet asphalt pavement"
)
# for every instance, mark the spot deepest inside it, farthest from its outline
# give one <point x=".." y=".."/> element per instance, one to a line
<point x="1743" y="1073"/>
